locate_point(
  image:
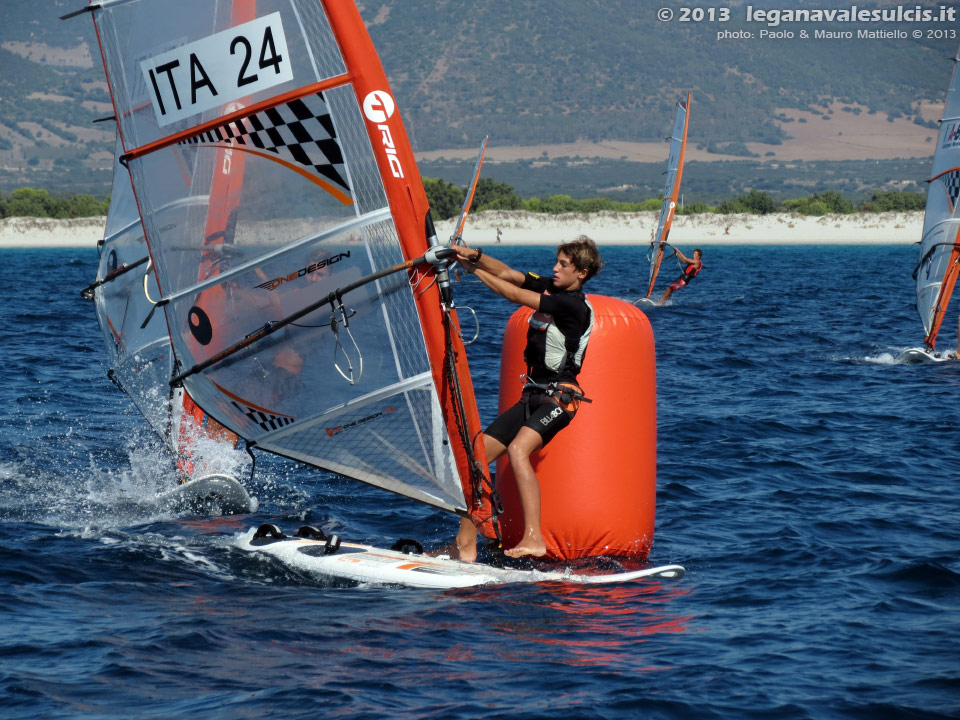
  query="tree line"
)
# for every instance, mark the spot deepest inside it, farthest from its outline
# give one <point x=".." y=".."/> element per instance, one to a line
<point x="446" y="201"/>
<point x="29" y="202"/>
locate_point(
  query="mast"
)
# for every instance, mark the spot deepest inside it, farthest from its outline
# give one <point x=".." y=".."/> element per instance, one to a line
<point x="468" y="199"/>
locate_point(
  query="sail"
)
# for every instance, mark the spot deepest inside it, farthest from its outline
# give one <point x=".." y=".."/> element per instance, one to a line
<point x="936" y="273"/>
<point x="141" y="358"/>
<point x="138" y="345"/>
<point x="671" y="190"/>
<point x="288" y="321"/>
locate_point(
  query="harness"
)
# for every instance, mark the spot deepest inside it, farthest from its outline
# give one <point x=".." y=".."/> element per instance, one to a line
<point x="691" y="271"/>
<point x="568" y="394"/>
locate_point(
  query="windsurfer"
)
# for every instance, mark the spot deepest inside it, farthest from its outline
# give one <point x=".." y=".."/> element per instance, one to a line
<point x="556" y="342"/>
<point x="692" y="269"/>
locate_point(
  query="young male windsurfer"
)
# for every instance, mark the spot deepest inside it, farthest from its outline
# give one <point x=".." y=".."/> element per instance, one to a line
<point x="556" y="342"/>
<point x="692" y="269"/>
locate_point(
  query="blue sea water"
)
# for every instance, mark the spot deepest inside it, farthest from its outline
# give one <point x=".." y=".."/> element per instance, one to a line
<point x="809" y="484"/>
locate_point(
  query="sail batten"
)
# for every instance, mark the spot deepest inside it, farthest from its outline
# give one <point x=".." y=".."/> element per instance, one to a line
<point x="283" y="211"/>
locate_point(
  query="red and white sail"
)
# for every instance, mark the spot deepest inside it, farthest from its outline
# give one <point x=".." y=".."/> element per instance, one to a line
<point x="671" y="191"/>
<point x="939" y="264"/>
<point x="274" y="177"/>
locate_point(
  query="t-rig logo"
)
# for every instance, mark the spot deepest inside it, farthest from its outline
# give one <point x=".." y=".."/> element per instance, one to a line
<point x="378" y="107"/>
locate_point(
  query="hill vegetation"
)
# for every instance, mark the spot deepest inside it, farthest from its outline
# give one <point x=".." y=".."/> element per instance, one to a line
<point x="30" y="202"/>
<point x="541" y="71"/>
<point x="529" y="72"/>
<point x="446" y="200"/>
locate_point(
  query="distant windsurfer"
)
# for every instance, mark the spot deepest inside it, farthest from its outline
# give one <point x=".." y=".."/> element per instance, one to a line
<point x="691" y="270"/>
<point x="556" y="342"/>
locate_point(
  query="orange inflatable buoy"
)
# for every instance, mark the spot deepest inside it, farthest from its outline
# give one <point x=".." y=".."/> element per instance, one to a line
<point x="598" y="476"/>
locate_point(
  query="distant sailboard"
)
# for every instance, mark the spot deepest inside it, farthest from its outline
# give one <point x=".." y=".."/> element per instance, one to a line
<point x="208" y="495"/>
<point x="939" y="263"/>
<point x="923" y="355"/>
<point x="142" y="359"/>
<point x="671" y="191"/>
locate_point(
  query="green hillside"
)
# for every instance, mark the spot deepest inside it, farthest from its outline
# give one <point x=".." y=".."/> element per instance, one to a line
<point x="527" y="72"/>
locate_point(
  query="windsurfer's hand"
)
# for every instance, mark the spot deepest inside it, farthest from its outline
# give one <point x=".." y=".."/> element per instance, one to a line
<point x="463" y="257"/>
<point x="466" y="256"/>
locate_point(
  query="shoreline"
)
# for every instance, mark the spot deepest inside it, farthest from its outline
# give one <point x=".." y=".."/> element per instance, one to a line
<point x="606" y="228"/>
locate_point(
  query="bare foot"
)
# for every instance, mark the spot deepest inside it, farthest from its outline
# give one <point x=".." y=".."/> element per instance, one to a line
<point x="463" y="553"/>
<point x="464" y="546"/>
<point x="527" y="549"/>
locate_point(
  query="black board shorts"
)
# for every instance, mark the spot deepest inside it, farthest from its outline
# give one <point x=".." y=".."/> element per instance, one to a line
<point x="535" y="410"/>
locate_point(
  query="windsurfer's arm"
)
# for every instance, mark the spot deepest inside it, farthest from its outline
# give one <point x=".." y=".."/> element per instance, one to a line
<point x="683" y="258"/>
<point x="474" y="259"/>
<point x="502" y="279"/>
<point x="508" y="290"/>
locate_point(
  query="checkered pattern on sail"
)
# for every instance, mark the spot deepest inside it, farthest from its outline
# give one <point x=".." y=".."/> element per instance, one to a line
<point x="267" y="420"/>
<point x="951" y="184"/>
<point x="299" y="131"/>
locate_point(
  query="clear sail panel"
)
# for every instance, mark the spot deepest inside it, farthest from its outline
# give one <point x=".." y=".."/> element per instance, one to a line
<point x="260" y="202"/>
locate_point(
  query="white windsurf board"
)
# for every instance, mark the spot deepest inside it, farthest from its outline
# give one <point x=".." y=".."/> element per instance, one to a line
<point x="210" y="494"/>
<point x="366" y="564"/>
<point x="646" y="302"/>
<point x="922" y="355"/>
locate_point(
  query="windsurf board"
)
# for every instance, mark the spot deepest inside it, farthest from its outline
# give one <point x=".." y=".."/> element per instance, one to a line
<point x="645" y="302"/>
<point x="210" y="494"/>
<point x="311" y="551"/>
<point x="922" y="355"/>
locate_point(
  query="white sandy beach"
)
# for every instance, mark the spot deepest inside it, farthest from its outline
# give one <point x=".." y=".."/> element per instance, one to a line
<point x="606" y="228"/>
<point x="523" y="228"/>
<point x="28" y="232"/>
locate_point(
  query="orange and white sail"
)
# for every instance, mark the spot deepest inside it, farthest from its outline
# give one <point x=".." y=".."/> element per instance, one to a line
<point x="939" y="265"/>
<point x="671" y="191"/>
<point x="301" y="312"/>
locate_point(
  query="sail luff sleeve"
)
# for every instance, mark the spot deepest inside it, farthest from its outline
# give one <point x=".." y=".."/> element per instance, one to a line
<point x="409" y="205"/>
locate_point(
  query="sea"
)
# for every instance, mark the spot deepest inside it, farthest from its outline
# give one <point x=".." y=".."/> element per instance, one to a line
<point x="808" y="483"/>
